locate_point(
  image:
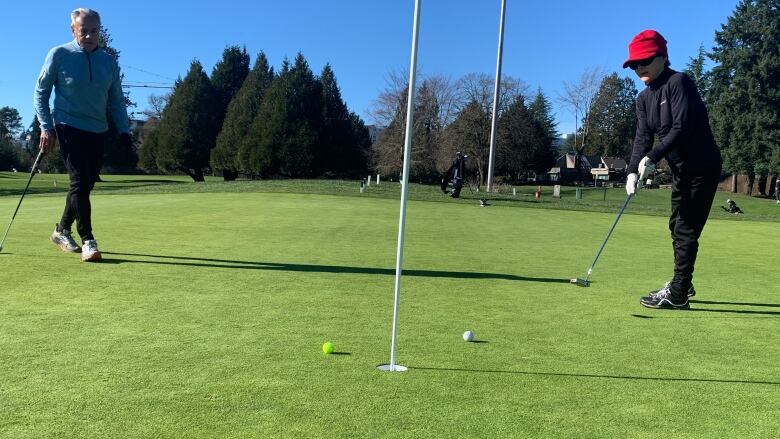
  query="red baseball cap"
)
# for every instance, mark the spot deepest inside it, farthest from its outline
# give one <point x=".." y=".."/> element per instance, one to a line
<point x="646" y="44"/>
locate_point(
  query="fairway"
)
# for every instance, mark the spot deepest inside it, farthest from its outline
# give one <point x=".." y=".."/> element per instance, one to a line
<point x="209" y="311"/>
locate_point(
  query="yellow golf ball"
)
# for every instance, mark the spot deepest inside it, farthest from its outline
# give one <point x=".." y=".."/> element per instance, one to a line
<point x="327" y="347"/>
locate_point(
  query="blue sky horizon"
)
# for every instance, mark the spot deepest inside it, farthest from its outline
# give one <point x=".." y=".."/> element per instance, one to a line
<point x="545" y="43"/>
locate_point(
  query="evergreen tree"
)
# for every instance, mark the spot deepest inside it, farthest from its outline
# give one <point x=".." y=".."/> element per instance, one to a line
<point x="227" y="77"/>
<point x="613" y="117"/>
<point x="187" y="129"/>
<point x="231" y="151"/>
<point x="10" y="122"/>
<point x="8" y="156"/>
<point x="361" y="147"/>
<point x="338" y="146"/>
<point x="284" y="136"/>
<point x="541" y="112"/>
<point x="148" y="145"/>
<point x="745" y="91"/>
<point x="696" y="71"/>
<point x="522" y="144"/>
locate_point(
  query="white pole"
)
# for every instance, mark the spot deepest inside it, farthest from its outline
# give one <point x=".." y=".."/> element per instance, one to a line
<point x="495" y="98"/>
<point x="392" y="367"/>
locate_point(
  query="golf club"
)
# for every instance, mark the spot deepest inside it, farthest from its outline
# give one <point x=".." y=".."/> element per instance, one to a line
<point x="586" y="282"/>
<point x="32" y="174"/>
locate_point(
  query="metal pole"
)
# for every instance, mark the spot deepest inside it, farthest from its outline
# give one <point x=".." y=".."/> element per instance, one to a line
<point x="392" y="367"/>
<point x="495" y="97"/>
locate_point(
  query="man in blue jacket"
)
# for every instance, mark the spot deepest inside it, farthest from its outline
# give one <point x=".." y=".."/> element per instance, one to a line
<point x="87" y="86"/>
<point x="671" y="109"/>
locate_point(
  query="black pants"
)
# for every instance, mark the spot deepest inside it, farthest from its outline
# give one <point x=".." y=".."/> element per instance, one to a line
<point x="691" y="203"/>
<point x="82" y="152"/>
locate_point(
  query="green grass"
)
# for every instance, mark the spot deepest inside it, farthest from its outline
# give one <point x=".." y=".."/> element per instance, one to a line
<point x="207" y="317"/>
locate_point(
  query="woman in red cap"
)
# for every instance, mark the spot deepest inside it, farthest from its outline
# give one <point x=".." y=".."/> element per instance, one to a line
<point x="671" y="109"/>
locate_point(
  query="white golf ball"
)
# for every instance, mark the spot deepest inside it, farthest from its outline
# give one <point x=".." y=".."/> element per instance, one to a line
<point x="468" y="336"/>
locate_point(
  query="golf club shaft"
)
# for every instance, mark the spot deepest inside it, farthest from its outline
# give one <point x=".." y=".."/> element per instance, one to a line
<point x="29" y="180"/>
<point x="603" y="244"/>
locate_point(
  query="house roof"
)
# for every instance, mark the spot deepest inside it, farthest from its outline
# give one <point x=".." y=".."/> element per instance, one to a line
<point x="615" y="162"/>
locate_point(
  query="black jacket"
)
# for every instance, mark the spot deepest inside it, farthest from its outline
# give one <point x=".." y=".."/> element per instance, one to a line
<point x="671" y="107"/>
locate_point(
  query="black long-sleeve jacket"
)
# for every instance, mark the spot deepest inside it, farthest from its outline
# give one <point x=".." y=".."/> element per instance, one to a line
<point x="671" y="107"/>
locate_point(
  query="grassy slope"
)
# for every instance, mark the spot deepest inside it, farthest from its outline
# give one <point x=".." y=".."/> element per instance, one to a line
<point x="209" y="323"/>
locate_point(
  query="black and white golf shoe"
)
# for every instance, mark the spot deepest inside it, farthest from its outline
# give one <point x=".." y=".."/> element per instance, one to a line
<point x="64" y="240"/>
<point x="691" y="291"/>
<point x="665" y="299"/>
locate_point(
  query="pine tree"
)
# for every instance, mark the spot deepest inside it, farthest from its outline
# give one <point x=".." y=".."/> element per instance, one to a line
<point x="613" y="117"/>
<point x="337" y="145"/>
<point x="745" y="92"/>
<point x="521" y="143"/>
<point x="285" y="135"/>
<point x="226" y="78"/>
<point x="541" y="112"/>
<point x="696" y="71"/>
<point x="187" y="130"/>
<point x="231" y="152"/>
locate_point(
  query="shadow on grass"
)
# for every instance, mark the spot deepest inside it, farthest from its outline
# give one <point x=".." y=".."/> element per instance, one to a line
<point x="712" y="302"/>
<point x="308" y="268"/>
<point x="588" y="375"/>
<point x="680" y="314"/>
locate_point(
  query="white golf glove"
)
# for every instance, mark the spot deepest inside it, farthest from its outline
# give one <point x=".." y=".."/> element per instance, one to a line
<point x="646" y="168"/>
<point x="631" y="181"/>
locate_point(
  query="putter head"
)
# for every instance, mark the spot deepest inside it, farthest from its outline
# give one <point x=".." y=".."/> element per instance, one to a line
<point x="580" y="282"/>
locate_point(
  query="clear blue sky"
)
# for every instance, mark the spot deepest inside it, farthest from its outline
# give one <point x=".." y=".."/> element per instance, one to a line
<point x="546" y="42"/>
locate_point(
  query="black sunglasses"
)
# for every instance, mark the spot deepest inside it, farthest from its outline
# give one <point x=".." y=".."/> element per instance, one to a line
<point x="633" y="65"/>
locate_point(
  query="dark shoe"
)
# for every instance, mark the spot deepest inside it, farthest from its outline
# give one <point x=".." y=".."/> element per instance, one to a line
<point x="691" y="291"/>
<point x="665" y="299"/>
<point x="64" y="240"/>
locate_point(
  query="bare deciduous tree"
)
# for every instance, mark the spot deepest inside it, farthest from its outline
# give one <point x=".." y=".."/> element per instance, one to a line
<point x="578" y="97"/>
<point x="157" y="104"/>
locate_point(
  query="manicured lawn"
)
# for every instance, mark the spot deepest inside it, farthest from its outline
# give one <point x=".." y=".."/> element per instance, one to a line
<point x="207" y="316"/>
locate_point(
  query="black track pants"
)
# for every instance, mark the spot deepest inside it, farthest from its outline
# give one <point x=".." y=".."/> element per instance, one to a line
<point x="691" y="203"/>
<point x="82" y="152"/>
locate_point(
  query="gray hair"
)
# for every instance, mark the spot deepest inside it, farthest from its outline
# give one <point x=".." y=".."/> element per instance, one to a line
<point x="83" y="12"/>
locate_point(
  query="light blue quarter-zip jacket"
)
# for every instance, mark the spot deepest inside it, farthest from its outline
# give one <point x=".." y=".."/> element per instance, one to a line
<point x="86" y="86"/>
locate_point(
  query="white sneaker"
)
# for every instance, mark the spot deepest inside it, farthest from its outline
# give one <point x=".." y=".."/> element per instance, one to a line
<point x="64" y="240"/>
<point x="90" y="252"/>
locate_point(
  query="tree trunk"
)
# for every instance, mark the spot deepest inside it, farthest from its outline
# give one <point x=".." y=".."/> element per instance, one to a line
<point x="772" y="185"/>
<point x="195" y="174"/>
<point x="762" y="185"/>
<point x="751" y="179"/>
<point x="229" y="174"/>
<point x="734" y="177"/>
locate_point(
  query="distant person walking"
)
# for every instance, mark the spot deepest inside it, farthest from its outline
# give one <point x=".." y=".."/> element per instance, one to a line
<point x="86" y="83"/>
<point x="777" y="190"/>
<point x="671" y="108"/>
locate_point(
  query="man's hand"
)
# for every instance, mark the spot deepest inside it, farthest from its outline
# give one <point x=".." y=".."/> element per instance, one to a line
<point x="48" y="139"/>
<point x="126" y="141"/>
<point x="631" y="185"/>
<point x="646" y="168"/>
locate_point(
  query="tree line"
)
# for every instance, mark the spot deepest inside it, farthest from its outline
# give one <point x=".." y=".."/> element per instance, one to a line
<point x="257" y="122"/>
